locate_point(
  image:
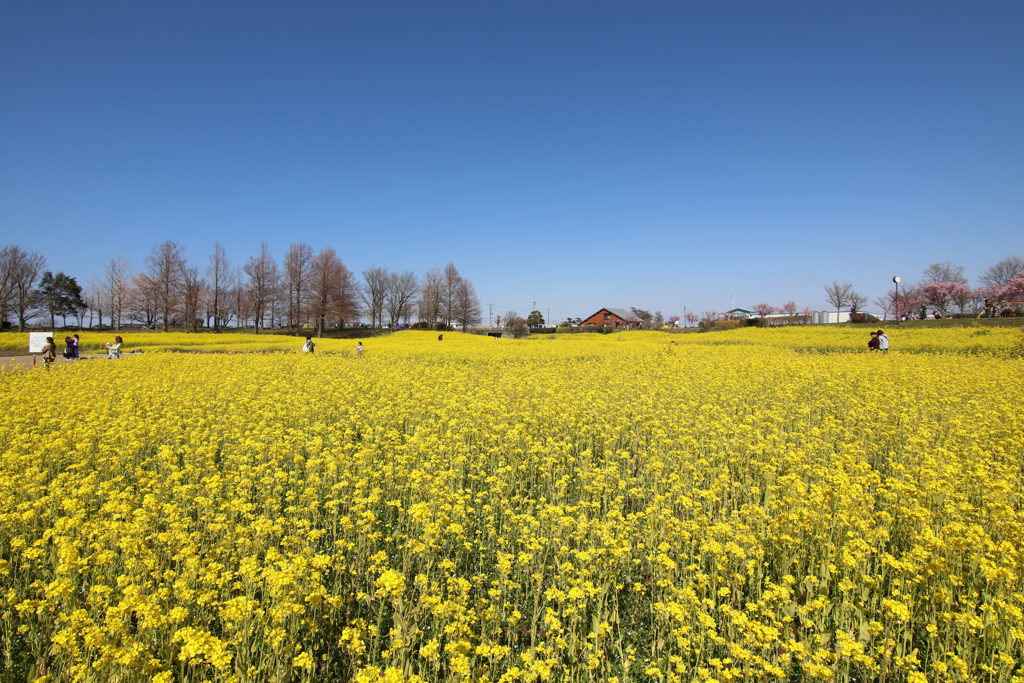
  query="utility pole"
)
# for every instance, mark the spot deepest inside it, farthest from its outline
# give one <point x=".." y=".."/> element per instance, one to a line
<point x="490" y="312"/>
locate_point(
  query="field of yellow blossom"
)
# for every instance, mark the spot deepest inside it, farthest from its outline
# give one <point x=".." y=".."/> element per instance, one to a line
<point x="752" y="505"/>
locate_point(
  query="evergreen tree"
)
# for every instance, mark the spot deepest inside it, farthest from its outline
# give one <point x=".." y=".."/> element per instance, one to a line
<point x="59" y="295"/>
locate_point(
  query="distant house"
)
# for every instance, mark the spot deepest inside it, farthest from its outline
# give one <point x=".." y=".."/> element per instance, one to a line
<point x="616" y="317"/>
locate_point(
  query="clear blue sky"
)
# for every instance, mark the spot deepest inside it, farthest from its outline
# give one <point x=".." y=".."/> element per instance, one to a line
<point x="580" y="154"/>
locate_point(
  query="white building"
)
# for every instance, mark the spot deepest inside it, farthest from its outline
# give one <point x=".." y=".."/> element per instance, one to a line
<point x="823" y="317"/>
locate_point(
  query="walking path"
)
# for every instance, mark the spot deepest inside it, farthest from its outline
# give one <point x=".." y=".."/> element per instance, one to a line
<point x="25" y="361"/>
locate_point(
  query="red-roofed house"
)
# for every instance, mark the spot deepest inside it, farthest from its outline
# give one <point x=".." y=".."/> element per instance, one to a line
<point x="616" y="317"/>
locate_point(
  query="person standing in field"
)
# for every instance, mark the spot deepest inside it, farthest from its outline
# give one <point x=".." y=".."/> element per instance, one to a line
<point x="69" y="348"/>
<point x="359" y="350"/>
<point x="49" y="352"/>
<point x="309" y="346"/>
<point x="114" y="350"/>
<point x="75" y="341"/>
<point x="883" y="342"/>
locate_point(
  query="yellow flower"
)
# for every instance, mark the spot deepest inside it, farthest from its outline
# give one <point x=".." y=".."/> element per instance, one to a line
<point x="588" y="506"/>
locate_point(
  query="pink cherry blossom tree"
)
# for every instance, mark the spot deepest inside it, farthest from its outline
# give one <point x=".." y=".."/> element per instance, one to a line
<point x="908" y="301"/>
<point x="1014" y="289"/>
<point x="942" y="295"/>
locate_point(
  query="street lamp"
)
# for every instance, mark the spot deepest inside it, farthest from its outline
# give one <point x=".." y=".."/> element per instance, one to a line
<point x="896" y="301"/>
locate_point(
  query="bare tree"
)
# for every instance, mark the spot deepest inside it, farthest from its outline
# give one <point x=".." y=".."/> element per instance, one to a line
<point x="467" y="305"/>
<point x="332" y="289"/>
<point x="144" y="299"/>
<point x="20" y="269"/>
<point x="93" y="296"/>
<point x="193" y="286"/>
<point x="947" y="271"/>
<point x="262" y="285"/>
<point x="430" y="296"/>
<point x="857" y="302"/>
<point x="241" y="299"/>
<point x="346" y="307"/>
<point x="884" y="303"/>
<point x="7" y="256"/>
<point x="838" y="294"/>
<point x="451" y="280"/>
<point x="297" y="267"/>
<point x="373" y="294"/>
<point x="166" y="264"/>
<point x="228" y="312"/>
<point x="219" y="277"/>
<point x="116" y="288"/>
<point x="402" y="289"/>
<point x="1000" y="274"/>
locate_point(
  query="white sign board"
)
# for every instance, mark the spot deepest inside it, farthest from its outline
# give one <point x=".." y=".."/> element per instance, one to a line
<point x="37" y="340"/>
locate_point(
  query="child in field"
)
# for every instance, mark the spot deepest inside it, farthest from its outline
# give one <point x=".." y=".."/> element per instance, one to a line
<point x="309" y="346"/>
<point x="873" y="342"/>
<point x="359" y="349"/>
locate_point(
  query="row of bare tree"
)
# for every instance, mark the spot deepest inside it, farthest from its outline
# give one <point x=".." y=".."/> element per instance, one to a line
<point x="306" y="288"/>
<point x="315" y="288"/>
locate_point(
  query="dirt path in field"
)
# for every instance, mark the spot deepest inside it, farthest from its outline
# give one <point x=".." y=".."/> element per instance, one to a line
<point x="27" y="361"/>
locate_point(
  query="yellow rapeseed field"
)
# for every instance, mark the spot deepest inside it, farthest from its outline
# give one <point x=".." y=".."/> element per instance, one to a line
<point x="757" y="505"/>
